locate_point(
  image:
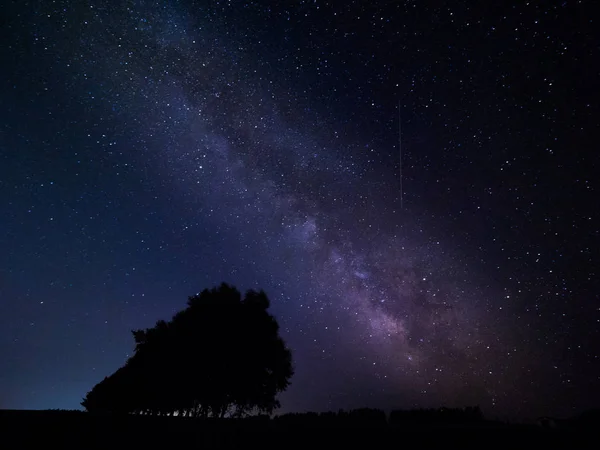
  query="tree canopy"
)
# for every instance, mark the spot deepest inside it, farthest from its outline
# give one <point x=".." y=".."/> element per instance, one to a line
<point x="222" y="355"/>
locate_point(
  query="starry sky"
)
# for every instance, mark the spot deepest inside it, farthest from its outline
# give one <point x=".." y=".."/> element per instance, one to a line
<point x="151" y="149"/>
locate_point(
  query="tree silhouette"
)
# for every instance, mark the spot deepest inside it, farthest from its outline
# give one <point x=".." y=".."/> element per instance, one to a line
<point x="222" y="355"/>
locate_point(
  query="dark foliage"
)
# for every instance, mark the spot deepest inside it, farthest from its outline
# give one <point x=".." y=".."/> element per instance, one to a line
<point x="362" y="417"/>
<point x="220" y="356"/>
<point x="590" y="418"/>
<point x="441" y="416"/>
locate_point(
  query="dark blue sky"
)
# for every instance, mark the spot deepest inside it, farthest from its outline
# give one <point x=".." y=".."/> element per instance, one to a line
<point x="149" y="150"/>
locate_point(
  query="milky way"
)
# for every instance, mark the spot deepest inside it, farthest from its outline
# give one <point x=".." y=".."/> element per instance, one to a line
<point x="294" y="204"/>
<point x="183" y="150"/>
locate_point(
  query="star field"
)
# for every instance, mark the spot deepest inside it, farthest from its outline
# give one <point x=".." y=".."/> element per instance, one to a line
<point x="151" y="149"/>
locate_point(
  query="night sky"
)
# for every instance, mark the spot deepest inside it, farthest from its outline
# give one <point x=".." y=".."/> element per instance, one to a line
<point x="149" y="150"/>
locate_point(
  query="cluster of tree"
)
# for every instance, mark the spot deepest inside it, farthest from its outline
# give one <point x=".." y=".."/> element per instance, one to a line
<point x="60" y="410"/>
<point x="221" y="356"/>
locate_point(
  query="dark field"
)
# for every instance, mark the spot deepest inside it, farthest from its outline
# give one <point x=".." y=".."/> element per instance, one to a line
<point x="66" y="429"/>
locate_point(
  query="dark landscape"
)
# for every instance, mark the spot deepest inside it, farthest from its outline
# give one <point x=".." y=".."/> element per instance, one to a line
<point x="371" y="428"/>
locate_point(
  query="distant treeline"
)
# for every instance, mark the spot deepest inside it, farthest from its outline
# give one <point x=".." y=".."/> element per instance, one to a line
<point x="377" y="417"/>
